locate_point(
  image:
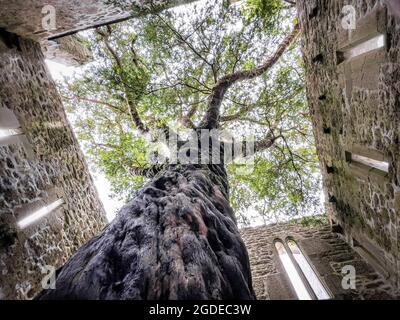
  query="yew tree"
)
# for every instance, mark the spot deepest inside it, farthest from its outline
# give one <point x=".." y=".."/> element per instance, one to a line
<point x="210" y="66"/>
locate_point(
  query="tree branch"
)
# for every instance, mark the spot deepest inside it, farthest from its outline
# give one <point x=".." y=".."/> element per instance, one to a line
<point x="211" y="118"/>
<point x="186" y="119"/>
<point x="260" y="145"/>
<point x="180" y="38"/>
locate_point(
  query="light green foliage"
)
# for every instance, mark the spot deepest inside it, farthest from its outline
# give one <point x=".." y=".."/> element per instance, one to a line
<point x="167" y="66"/>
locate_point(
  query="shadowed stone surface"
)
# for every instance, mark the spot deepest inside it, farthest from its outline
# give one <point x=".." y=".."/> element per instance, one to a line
<point x="176" y="239"/>
<point x="358" y="100"/>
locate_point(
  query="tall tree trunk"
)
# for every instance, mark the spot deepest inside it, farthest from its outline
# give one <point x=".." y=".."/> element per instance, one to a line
<point x="177" y="239"/>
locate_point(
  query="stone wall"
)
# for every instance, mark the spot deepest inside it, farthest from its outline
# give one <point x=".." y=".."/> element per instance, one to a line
<point x="25" y="17"/>
<point x="327" y="252"/>
<point x="40" y="162"/>
<point x="354" y="103"/>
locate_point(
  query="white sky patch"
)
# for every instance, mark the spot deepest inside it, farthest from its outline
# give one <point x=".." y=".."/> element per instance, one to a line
<point x="367" y="46"/>
<point x="110" y="204"/>
<point x="381" y="165"/>
<point x="58" y="70"/>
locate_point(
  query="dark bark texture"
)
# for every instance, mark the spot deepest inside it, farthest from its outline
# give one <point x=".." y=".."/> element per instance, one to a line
<point x="177" y="239"/>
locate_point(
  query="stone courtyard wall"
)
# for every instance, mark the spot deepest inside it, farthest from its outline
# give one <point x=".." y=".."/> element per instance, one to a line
<point x="39" y="164"/>
<point x="354" y="104"/>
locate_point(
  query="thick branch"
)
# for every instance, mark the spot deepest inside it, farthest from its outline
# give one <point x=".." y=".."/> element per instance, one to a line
<point x="256" y="72"/>
<point x="260" y="145"/>
<point x="237" y="115"/>
<point x="187" y="122"/>
<point x="211" y="119"/>
<point x="105" y="36"/>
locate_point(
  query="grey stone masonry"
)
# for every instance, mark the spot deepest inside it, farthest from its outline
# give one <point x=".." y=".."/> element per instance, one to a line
<point x="40" y="164"/>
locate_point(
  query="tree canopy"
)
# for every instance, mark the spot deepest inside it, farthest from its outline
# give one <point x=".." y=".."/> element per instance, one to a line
<point x="210" y="65"/>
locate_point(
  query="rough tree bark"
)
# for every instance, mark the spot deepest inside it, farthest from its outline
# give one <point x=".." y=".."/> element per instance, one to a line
<point x="177" y="239"/>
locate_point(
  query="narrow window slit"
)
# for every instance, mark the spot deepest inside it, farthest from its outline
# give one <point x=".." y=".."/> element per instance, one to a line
<point x="291" y="271"/>
<point x="315" y="283"/>
<point x="318" y="58"/>
<point x="337" y="228"/>
<point x="330" y="169"/>
<point x="369" y="45"/>
<point x="372" y="255"/>
<point x="4" y="133"/>
<point x="11" y="40"/>
<point x="332" y="199"/>
<point x="44" y="211"/>
<point x="313" y="13"/>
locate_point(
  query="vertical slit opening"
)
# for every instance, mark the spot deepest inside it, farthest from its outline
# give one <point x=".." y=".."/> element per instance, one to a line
<point x="291" y="271"/>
